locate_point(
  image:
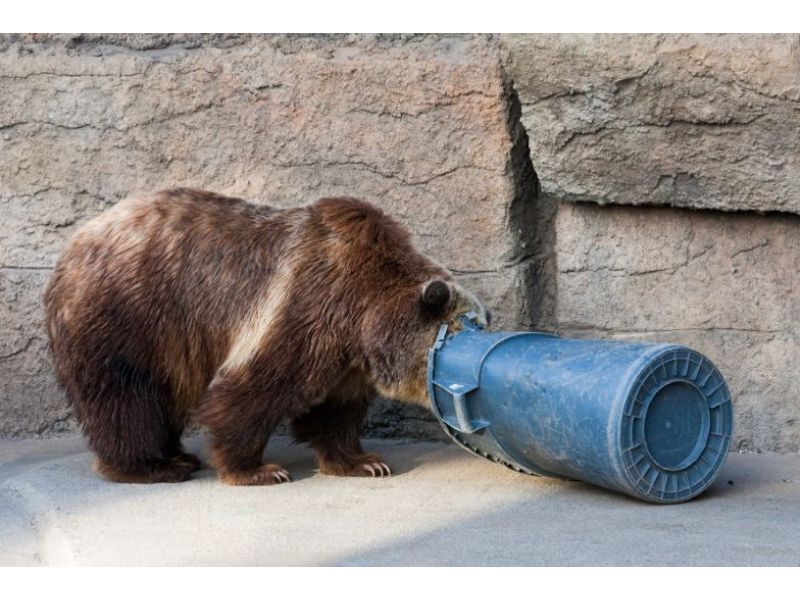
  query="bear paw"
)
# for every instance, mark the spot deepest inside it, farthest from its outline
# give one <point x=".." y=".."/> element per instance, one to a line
<point x="263" y="475"/>
<point x="187" y="461"/>
<point x="156" y="471"/>
<point x="368" y="465"/>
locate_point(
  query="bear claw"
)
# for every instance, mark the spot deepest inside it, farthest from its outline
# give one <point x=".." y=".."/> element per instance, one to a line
<point x="281" y="476"/>
<point x="377" y="469"/>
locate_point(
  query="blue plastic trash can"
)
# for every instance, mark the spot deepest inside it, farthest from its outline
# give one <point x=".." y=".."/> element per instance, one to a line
<point x="650" y="420"/>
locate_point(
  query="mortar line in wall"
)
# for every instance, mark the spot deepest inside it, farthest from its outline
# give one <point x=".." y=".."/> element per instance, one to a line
<point x="728" y="213"/>
<point x="26" y="268"/>
<point x="582" y="327"/>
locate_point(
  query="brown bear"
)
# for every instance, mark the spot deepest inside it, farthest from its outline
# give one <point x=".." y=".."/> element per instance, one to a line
<point x="188" y="303"/>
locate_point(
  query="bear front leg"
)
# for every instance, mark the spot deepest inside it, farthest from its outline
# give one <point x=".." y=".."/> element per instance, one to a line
<point x="241" y="414"/>
<point x="332" y="429"/>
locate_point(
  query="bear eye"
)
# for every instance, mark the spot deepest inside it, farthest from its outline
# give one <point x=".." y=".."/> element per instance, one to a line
<point x="436" y="294"/>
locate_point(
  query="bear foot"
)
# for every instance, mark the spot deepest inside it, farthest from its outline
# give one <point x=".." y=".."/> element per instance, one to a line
<point x="173" y="471"/>
<point x="187" y="460"/>
<point x="366" y="465"/>
<point x="263" y="475"/>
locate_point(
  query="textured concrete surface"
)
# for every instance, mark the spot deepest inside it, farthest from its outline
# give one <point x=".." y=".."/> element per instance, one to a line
<point x="443" y="507"/>
<point x="424" y="126"/>
<point x="729" y="288"/>
<point x="705" y="121"/>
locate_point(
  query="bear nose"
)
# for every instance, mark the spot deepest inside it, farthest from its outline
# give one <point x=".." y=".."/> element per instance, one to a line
<point x="488" y="317"/>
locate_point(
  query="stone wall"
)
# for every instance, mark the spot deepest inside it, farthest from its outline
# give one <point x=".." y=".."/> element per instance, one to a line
<point x="432" y="129"/>
<point x="703" y="121"/>
<point x="663" y="121"/>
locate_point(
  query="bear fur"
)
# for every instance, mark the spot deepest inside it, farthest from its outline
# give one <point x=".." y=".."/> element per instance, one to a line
<point x="188" y="304"/>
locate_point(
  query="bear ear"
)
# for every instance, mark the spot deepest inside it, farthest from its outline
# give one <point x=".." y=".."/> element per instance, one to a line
<point x="435" y="294"/>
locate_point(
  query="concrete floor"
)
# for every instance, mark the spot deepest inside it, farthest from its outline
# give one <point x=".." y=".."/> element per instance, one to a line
<point x="443" y="507"/>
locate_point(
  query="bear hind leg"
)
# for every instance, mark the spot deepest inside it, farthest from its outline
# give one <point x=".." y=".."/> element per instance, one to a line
<point x="127" y="420"/>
